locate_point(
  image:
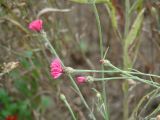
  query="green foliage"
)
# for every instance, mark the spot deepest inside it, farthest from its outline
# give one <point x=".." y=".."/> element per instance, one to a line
<point x="137" y="5"/>
<point x="46" y="101"/>
<point x="27" y="85"/>
<point x="134" y="29"/>
<point x="132" y="36"/>
<point x="9" y="106"/>
<point x="22" y="87"/>
<point x="112" y="14"/>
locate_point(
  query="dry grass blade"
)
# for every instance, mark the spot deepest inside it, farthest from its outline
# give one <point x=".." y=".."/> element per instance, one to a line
<point x="47" y="10"/>
<point x="16" y="23"/>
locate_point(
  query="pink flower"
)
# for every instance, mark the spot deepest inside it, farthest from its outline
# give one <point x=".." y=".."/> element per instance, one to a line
<point x="56" y="68"/>
<point x="81" y="79"/>
<point x="36" y="25"/>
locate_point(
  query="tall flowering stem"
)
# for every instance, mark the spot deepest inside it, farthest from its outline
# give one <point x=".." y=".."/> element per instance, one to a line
<point x="101" y="53"/>
<point x="126" y="61"/>
<point x="53" y="51"/>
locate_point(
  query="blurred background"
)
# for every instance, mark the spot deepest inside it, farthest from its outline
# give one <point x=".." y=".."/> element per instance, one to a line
<point x="30" y="92"/>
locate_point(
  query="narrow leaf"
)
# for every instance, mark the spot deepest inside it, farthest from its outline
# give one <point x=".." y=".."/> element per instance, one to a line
<point x="112" y="13"/>
<point x="134" y="30"/>
<point x="136" y="5"/>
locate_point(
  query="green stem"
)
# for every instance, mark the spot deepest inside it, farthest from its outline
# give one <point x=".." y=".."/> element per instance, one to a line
<point x="111" y="78"/>
<point x="136" y="72"/>
<point x="134" y="77"/>
<point x="126" y="61"/>
<point x="116" y="71"/>
<point x="63" y="98"/>
<point x="72" y="80"/>
<point x="95" y="71"/>
<point x="101" y="53"/>
<point x="154" y="84"/>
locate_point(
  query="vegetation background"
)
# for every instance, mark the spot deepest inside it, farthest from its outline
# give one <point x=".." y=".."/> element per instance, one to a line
<point x="29" y="90"/>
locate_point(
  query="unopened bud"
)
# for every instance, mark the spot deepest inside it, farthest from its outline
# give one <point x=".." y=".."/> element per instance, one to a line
<point x="98" y="95"/>
<point x="62" y="97"/>
<point x="105" y="62"/>
<point x="90" y="79"/>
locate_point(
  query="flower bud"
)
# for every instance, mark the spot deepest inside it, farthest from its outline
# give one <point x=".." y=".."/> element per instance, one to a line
<point x="90" y="79"/>
<point x="81" y="79"/>
<point x="36" y="25"/>
<point x="69" y="70"/>
<point x="62" y="97"/>
<point x="105" y="62"/>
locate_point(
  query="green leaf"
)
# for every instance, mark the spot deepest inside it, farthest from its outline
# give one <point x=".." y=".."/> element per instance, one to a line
<point x="24" y="111"/>
<point x="4" y="98"/>
<point x="89" y="1"/>
<point x="137" y="4"/>
<point x="22" y="87"/>
<point x="12" y="108"/>
<point x="25" y="63"/>
<point x="28" y="53"/>
<point x="46" y="101"/>
<point x="134" y="29"/>
<point x="132" y="36"/>
<point x="37" y="62"/>
<point x="14" y="74"/>
<point x="112" y="13"/>
<point x="83" y="45"/>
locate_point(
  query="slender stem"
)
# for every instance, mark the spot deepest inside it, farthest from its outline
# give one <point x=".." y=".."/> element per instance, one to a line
<point x="72" y="80"/>
<point x="127" y="19"/>
<point x="101" y="53"/>
<point x="135" y="111"/>
<point x="74" y="84"/>
<point x="70" y="110"/>
<point x="126" y="61"/>
<point x="63" y="98"/>
<point x="134" y="77"/>
<point x="116" y="71"/>
<point x="154" y="84"/>
<point x="153" y="113"/>
<point x="145" y="74"/>
<point x="51" y="48"/>
<point x="95" y="71"/>
<point x="111" y="78"/>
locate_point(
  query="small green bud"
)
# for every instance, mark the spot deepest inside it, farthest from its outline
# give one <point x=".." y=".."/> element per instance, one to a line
<point x="105" y="62"/>
<point x="98" y="95"/>
<point x="62" y="97"/>
<point x="89" y="79"/>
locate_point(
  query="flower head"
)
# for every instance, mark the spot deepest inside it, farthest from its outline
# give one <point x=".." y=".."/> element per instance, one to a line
<point x="81" y="79"/>
<point x="11" y="117"/>
<point x="36" y="25"/>
<point x="56" y="68"/>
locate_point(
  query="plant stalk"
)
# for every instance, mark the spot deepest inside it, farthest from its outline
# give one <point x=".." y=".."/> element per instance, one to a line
<point x="102" y="66"/>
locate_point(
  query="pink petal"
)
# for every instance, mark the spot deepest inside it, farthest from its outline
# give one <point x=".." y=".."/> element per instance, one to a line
<point x="36" y="25"/>
<point x="56" y="68"/>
